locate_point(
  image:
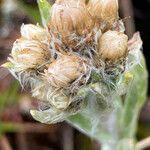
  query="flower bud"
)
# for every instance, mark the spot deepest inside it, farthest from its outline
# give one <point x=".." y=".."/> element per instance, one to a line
<point x="29" y="54"/>
<point x="70" y="16"/>
<point x="105" y="11"/>
<point x="50" y="95"/>
<point x="32" y="32"/>
<point x="58" y="99"/>
<point x="65" y="70"/>
<point x="113" y="45"/>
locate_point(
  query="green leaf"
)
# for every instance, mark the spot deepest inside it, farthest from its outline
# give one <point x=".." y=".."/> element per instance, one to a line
<point x="44" y="8"/>
<point x="134" y="101"/>
<point x="7" y="65"/>
<point x="31" y="11"/>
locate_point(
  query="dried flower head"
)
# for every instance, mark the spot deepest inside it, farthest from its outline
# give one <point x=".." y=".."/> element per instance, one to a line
<point x="71" y="25"/>
<point x="29" y="54"/>
<point x="113" y="45"/>
<point x="32" y="32"/>
<point x="65" y="70"/>
<point x="31" y="51"/>
<point x="104" y="11"/>
<point x="70" y="16"/>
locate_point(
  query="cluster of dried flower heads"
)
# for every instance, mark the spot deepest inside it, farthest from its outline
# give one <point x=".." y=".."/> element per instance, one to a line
<point x="84" y="45"/>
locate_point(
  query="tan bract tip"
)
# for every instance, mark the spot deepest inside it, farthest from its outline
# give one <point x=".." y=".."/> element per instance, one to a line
<point x="34" y="32"/>
<point x="70" y="17"/>
<point x="7" y="65"/>
<point x="105" y="11"/>
<point x="113" y="45"/>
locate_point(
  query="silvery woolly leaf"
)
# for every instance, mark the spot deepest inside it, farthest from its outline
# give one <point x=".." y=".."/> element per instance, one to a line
<point x="48" y="116"/>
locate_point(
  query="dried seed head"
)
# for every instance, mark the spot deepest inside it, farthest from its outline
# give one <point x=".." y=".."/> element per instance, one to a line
<point x="105" y="11"/>
<point x="70" y="16"/>
<point x="28" y="54"/>
<point x="32" y="32"/>
<point x="113" y="45"/>
<point x="65" y="70"/>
